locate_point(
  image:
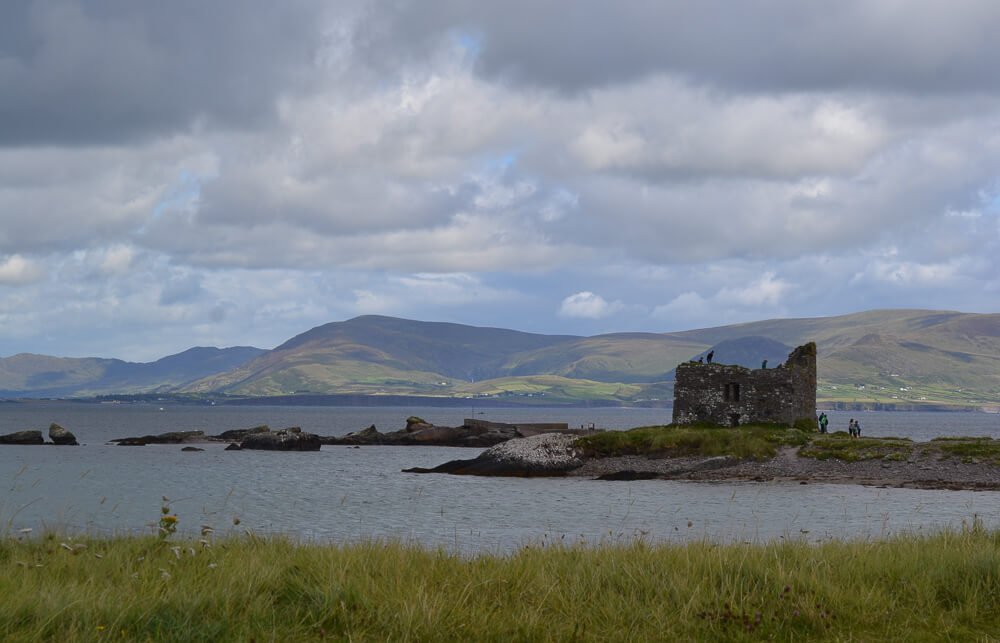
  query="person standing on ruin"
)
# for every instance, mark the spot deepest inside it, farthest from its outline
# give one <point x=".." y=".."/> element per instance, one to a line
<point x="708" y="358"/>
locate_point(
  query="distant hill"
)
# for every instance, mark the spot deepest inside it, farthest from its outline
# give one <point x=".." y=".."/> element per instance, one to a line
<point x="892" y="356"/>
<point x="27" y="375"/>
<point x="377" y="354"/>
<point x="880" y="357"/>
<point x="875" y="358"/>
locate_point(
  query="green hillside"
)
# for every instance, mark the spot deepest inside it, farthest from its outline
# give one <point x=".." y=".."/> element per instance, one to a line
<point x="894" y="357"/>
<point x="41" y="375"/>
<point x="897" y="357"/>
<point x="622" y="357"/>
<point x="884" y="357"/>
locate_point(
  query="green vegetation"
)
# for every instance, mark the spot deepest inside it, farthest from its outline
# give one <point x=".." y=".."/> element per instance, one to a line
<point x="913" y="588"/>
<point x="888" y="359"/>
<point x="970" y="449"/>
<point x="551" y="388"/>
<point x="841" y="446"/>
<point x="751" y="441"/>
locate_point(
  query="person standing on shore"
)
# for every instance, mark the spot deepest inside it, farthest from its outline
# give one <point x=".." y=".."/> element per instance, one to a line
<point x="857" y="429"/>
<point x="850" y="428"/>
<point x="823" y="421"/>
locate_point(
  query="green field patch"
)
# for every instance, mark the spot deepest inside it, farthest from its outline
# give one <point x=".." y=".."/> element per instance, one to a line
<point x="978" y="449"/>
<point x="840" y="446"/>
<point x="756" y="442"/>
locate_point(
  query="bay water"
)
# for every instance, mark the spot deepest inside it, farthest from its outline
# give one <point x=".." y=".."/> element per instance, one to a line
<point x="344" y="494"/>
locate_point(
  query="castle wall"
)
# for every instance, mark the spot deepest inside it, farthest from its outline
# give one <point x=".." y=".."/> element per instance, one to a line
<point x="732" y="395"/>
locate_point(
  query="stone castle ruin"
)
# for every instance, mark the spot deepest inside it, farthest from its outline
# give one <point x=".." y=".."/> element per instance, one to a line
<point x="731" y="395"/>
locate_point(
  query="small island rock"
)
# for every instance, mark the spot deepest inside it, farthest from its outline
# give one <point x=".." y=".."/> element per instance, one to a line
<point x="60" y="435"/>
<point x="290" y="439"/>
<point x="23" y="437"/>
<point x="547" y="454"/>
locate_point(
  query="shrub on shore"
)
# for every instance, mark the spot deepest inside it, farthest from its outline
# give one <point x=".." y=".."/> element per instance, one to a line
<point x="944" y="586"/>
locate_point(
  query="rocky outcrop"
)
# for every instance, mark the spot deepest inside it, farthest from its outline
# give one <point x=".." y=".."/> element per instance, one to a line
<point x="551" y="454"/>
<point x="473" y="433"/>
<point x="290" y="439"/>
<point x="236" y="435"/>
<point x="22" y="437"/>
<point x="172" y="437"/>
<point x="59" y="435"/>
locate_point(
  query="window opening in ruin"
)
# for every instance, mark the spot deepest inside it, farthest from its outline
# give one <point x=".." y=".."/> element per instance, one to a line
<point x="732" y="392"/>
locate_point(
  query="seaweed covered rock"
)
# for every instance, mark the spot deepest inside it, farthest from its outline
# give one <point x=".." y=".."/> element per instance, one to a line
<point x="547" y="454"/>
<point x="290" y="439"/>
<point x="60" y="435"/>
<point x="236" y="435"/>
<point x="22" y="437"/>
<point x="171" y="437"/>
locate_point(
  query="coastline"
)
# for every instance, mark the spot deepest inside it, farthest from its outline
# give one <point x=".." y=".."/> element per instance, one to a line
<point x="787" y="466"/>
<point x="753" y="454"/>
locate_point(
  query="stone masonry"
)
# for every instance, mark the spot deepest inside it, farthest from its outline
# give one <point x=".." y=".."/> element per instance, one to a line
<point x="730" y="395"/>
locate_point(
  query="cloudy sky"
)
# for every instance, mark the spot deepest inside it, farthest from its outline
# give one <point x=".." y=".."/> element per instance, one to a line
<point x="235" y="172"/>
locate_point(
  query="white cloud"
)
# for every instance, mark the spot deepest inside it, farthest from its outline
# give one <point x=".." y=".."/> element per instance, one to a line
<point x="374" y="165"/>
<point x="588" y="305"/>
<point x="766" y="291"/>
<point x="16" y="270"/>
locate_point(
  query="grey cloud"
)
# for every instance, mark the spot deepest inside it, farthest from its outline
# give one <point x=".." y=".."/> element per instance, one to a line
<point x="84" y="71"/>
<point x="181" y="289"/>
<point x="755" y="45"/>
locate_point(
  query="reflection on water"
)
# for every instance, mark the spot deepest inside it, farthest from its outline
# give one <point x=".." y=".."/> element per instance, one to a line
<point x="345" y="494"/>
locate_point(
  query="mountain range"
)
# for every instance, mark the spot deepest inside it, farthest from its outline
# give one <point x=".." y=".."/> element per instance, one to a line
<point x="896" y="358"/>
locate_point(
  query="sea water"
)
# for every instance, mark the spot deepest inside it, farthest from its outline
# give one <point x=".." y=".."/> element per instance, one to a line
<point x="344" y="494"/>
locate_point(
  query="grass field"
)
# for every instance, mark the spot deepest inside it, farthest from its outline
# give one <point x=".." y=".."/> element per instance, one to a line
<point x="750" y="441"/>
<point x="912" y="588"/>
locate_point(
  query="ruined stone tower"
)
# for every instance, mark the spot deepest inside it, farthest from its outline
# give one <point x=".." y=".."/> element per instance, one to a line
<point x="732" y="395"/>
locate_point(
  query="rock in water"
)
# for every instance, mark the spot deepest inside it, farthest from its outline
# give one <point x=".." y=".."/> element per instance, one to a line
<point x="192" y="449"/>
<point x="235" y="435"/>
<point x="291" y="439"/>
<point x="23" y="437"/>
<point x="172" y="437"/>
<point x="548" y="454"/>
<point x="59" y="435"/>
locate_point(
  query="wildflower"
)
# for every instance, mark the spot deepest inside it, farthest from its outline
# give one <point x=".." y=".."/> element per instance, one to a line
<point x="100" y="628"/>
<point x="65" y="546"/>
<point x="177" y="552"/>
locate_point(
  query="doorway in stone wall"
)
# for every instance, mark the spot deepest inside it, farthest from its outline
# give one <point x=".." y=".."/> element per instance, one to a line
<point x="734" y="419"/>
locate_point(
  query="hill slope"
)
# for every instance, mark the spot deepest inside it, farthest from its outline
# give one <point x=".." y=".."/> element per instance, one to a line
<point x="877" y="357"/>
<point x="892" y="356"/>
<point x="27" y="375"/>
